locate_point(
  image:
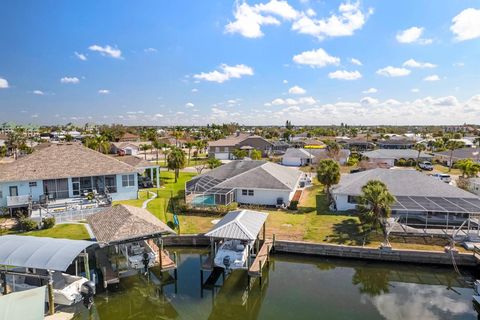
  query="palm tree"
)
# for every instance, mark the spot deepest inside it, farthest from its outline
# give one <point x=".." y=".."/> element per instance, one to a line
<point x="98" y="143"/>
<point x="177" y="134"/>
<point x="213" y="163"/>
<point x="256" y="154"/>
<point x="145" y="147"/>
<point x="157" y="145"/>
<point x="468" y="167"/>
<point x="374" y="205"/>
<point x="420" y="147"/>
<point x="452" y="145"/>
<point x="176" y="161"/>
<point x="328" y="173"/>
<point x="189" y="146"/>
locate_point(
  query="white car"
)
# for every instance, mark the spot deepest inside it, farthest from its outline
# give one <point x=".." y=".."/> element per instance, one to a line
<point x="443" y="177"/>
<point x="426" y="165"/>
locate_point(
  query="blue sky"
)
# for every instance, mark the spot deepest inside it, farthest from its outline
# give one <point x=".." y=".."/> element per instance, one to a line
<point x="256" y="62"/>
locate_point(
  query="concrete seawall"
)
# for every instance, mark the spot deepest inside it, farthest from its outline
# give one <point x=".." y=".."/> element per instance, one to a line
<point x="332" y="250"/>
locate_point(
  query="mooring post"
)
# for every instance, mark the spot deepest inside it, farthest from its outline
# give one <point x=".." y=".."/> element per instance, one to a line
<point x="86" y="264"/>
<point x="176" y="265"/>
<point x="4" y="282"/>
<point x="160" y="253"/>
<point x="264" y="231"/>
<point x="268" y="255"/>
<point x="51" y="303"/>
<point x="273" y="243"/>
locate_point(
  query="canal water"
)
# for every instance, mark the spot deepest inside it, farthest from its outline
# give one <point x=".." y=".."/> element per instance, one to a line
<point x="296" y="287"/>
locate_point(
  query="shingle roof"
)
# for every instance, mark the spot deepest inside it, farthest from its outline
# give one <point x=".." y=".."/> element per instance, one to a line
<point x="239" y="224"/>
<point x="399" y="183"/>
<point x="307" y="153"/>
<point x="62" y="161"/>
<point x="136" y="162"/>
<point x="395" y="154"/>
<point x="259" y="174"/>
<point x="124" y="222"/>
<point x="229" y="141"/>
<point x="463" y="153"/>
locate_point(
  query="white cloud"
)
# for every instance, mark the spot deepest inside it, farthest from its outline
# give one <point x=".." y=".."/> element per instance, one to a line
<point x="3" y="83"/>
<point x="316" y="58"/>
<point x="432" y="77"/>
<point x="104" y="91"/>
<point x="194" y="90"/>
<point x="296" y="90"/>
<point x="370" y="90"/>
<point x="393" y="72"/>
<point x="248" y="21"/>
<point x="412" y="35"/>
<point x="459" y="64"/>
<point x="227" y="72"/>
<point x="150" y="50"/>
<point x="292" y="102"/>
<point x="285" y="81"/>
<point x="80" y="56"/>
<point x="356" y="62"/>
<point x="278" y="102"/>
<point x="189" y="105"/>
<point x="35" y="115"/>
<point x="349" y="19"/>
<point x="411" y="63"/>
<point x="310" y="12"/>
<point x="345" y="75"/>
<point x="158" y="115"/>
<point x="107" y="51"/>
<point x="38" y="92"/>
<point x="415" y="90"/>
<point x="279" y="8"/>
<point x="73" y="80"/>
<point x="368" y="101"/>
<point x="466" y="25"/>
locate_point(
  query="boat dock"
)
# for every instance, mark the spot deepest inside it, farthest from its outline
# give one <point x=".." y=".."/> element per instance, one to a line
<point x="262" y="259"/>
<point x="163" y="258"/>
<point x="103" y="263"/>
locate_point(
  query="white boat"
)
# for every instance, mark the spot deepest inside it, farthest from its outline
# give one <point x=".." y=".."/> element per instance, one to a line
<point x="66" y="288"/>
<point x="134" y="253"/>
<point x="232" y="254"/>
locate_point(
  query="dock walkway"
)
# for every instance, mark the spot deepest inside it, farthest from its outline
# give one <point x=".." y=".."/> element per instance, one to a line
<point x="166" y="263"/>
<point x="261" y="259"/>
<point x="109" y="275"/>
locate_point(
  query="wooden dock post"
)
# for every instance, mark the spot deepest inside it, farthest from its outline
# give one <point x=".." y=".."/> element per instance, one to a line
<point x="4" y="282"/>
<point x="273" y="244"/>
<point x="176" y="265"/>
<point x="260" y="271"/>
<point x="51" y="302"/>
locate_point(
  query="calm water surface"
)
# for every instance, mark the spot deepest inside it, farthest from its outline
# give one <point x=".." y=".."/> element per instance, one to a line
<point x="296" y="287"/>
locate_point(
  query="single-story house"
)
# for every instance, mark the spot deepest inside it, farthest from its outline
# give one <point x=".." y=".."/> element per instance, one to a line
<point x="302" y="157"/>
<point x="389" y="157"/>
<point x="395" y="144"/>
<point x="256" y="182"/>
<point x="414" y="191"/>
<point x="129" y="137"/>
<point x="127" y="148"/>
<point x="63" y="171"/>
<point x="280" y="147"/>
<point x="458" y="154"/>
<point x="357" y="144"/>
<point x="223" y="149"/>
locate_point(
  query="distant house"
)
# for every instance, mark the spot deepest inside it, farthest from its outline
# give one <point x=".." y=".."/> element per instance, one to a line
<point x="415" y="192"/>
<point x="357" y="144"/>
<point x="395" y="144"/>
<point x="458" y="154"/>
<point x="223" y="149"/>
<point x="389" y="157"/>
<point x="302" y="157"/>
<point x="127" y="148"/>
<point x="279" y="147"/>
<point x="246" y="182"/>
<point x="63" y="171"/>
<point x="129" y="137"/>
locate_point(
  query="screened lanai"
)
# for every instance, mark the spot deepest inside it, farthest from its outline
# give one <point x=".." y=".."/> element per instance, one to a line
<point x="203" y="191"/>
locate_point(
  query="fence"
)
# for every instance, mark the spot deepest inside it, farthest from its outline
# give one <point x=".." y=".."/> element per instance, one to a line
<point x="70" y="215"/>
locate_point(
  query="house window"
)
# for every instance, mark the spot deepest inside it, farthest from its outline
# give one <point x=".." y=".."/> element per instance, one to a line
<point x="217" y="149"/>
<point x="244" y="192"/>
<point x="32" y="184"/>
<point x="250" y="192"/>
<point x="111" y="184"/>
<point x="352" y="199"/>
<point x="128" y="180"/>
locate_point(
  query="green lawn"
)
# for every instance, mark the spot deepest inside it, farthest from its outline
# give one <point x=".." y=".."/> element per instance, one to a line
<point x="193" y="161"/>
<point x="68" y="231"/>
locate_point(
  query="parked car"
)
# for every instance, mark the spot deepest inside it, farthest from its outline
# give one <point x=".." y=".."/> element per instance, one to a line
<point x="426" y="165"/>
<point x="443" y="177"/>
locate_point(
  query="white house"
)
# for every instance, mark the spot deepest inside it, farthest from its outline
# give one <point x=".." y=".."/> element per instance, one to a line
<point x="64" y="171"/>
<point x="301" y="157"/>
<point x="414" y="191"/>
<point x="129" y="148"/>
<point x="389" y="157"/>
<point x="256" y="182"/>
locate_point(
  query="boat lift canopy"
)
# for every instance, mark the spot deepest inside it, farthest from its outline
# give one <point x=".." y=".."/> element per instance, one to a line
<point x="40" y="253"/>
<point x="23" y="305"/>
<point x="239" y="224"/>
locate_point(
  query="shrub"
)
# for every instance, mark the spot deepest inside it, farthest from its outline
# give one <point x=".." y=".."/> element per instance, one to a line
<point x="401" y="162"/>
<point x="352" y="161"/>
<point x="293" y="205"/>
<point x="28" y="224"/>
<point x="48" y="222"/>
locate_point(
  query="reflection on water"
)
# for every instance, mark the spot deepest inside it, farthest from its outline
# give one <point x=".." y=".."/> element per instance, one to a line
<point x="295" y="288"/>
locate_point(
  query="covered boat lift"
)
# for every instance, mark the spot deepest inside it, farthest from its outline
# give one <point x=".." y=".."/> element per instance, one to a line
<point x="48" y="254"/>
<point x="119" y="228"/>
<point x="243" y="225"/>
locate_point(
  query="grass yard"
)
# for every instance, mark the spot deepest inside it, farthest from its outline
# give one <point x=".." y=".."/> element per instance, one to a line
<point x="440" y="168"/>
<point x="193" y="161"/>
<point x="67" y="231"/>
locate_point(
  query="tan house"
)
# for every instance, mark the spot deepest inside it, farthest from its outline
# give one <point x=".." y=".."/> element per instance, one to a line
<point x="223" y="149"/>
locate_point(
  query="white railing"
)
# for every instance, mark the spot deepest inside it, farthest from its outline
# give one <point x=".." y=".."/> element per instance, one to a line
<point x="13" y="201"/>
<point x="69" y="215"/>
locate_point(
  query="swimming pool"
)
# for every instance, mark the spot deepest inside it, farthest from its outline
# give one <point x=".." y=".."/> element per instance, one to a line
<point x="206" y="200"/>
